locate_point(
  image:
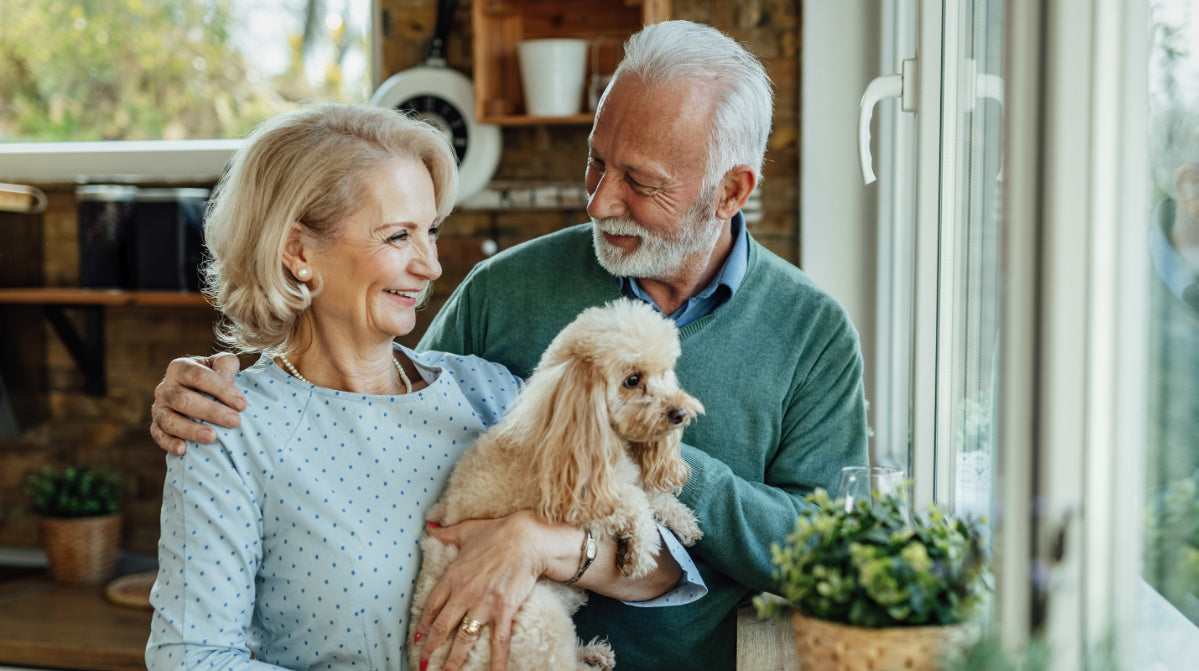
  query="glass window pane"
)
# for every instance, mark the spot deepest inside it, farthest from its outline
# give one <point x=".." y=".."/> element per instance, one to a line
<point x="1171" y="560"/>
<point x="974" y="212"/>
<point x="81" y="70"/>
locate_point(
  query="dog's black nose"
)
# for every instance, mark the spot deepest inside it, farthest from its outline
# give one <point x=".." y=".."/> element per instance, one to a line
<point x="677" y="415"/>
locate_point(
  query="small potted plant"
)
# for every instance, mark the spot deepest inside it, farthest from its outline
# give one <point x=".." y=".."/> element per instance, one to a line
<point x="79" y="510"/>
<point x="873" y="587"/>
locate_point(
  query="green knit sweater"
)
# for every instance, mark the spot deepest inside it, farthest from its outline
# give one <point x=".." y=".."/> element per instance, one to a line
<point x="779" y="371"/>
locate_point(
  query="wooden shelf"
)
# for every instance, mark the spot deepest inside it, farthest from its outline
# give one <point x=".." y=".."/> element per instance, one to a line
<point x="499" y="25"/>
<point x="101" y="297"/>
<point x="87" y="347"/>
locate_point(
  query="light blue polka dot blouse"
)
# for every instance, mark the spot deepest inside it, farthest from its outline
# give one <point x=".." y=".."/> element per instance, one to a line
<point x="294" y="536"/>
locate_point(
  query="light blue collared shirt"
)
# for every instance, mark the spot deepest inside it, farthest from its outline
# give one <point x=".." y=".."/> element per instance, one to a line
<point x="719" y="290"/>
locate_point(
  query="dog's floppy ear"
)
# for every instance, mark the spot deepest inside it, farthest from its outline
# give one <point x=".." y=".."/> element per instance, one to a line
<point x="661" y="461"/>
<point x="575" y="448"/>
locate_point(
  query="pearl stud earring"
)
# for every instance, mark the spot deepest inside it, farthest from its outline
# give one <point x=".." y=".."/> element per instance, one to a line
<point x="303" y="273"/>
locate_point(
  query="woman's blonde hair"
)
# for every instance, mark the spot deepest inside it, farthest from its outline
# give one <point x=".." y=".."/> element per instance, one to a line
<point x="305" y="167"/>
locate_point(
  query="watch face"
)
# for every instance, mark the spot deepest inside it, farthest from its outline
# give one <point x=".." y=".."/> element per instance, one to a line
<point x="442" y="115"/>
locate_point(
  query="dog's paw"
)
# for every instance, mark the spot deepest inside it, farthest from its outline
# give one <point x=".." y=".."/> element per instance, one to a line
<point x="597" y="655"/>
<point x="636" y="559"/>
<point x="687" y="530"/>
<point x="676" y="516"/>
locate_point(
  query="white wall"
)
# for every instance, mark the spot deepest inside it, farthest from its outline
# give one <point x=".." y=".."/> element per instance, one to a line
<point x="840" y="55"/>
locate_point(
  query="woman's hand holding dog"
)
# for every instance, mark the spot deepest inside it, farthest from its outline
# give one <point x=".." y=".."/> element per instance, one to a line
<point x="498" y="563"/>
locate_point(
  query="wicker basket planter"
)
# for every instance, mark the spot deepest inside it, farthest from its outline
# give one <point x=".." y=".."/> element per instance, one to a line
<point x="81" y="550"/>
<point x="829" y="646"/>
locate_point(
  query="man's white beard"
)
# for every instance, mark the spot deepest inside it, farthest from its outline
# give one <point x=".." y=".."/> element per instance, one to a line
<point x="658" y="257"/>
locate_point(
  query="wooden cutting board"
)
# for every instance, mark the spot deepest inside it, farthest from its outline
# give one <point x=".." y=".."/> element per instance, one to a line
<point x="131" y="590"/>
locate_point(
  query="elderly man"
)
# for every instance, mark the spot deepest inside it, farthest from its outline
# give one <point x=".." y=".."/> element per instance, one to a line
<point x="676" y="149"/>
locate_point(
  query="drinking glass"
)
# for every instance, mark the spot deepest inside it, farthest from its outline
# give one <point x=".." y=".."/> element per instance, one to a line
<point x="868" y="483"/>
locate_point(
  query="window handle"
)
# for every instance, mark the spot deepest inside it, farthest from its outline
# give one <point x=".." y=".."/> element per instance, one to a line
<point x="902" y="86"/>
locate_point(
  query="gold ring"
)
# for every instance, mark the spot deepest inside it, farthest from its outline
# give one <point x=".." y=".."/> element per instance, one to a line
<point x="470" y="626"/>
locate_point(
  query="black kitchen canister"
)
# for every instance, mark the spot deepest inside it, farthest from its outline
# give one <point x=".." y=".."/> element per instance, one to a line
<point x="168" y="238"/>
<point x="104" y="212"/>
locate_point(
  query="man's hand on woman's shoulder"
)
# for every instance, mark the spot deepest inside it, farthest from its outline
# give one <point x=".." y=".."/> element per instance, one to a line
<point x="195" y="388"/>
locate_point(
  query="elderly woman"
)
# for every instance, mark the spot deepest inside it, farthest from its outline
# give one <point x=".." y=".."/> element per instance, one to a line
<point x="291" y="542"/>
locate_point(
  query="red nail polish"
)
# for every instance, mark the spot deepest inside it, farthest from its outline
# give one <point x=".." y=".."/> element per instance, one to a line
<point x="416" y="639"/>
<point x="424" y="664"/>
<point x="434" y="525"/>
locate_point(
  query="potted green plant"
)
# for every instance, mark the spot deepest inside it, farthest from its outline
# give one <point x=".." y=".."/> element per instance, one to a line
<point x="874" y="587"/>
<point x="79" y="510"/>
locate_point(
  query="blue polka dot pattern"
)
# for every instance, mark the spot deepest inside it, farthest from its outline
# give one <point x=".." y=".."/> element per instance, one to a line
<point x="294" y="535"/>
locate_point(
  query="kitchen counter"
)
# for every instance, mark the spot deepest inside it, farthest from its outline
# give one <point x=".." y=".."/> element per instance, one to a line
<point x="46" y="624"/>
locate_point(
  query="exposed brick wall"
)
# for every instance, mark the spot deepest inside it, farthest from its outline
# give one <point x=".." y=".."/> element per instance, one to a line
<point x="769" y="28"/>
<point x="62" y="424"/>
<point x="59" y="422"/>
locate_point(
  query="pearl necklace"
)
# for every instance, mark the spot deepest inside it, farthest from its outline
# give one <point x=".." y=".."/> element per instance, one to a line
<point x="296" y="374"/>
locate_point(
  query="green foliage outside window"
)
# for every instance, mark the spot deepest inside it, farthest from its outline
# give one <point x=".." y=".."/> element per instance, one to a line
<point x="1172" y="544"/>
<point x="153" y="69"/>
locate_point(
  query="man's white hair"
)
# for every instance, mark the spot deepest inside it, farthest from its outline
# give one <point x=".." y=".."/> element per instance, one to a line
<point x="681" y="50"/>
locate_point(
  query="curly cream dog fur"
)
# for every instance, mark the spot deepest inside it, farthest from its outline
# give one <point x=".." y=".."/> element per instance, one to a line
<point x="593" y="441"/>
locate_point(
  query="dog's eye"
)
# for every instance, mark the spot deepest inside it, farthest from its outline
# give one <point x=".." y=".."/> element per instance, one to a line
<point x="632" y="381"/>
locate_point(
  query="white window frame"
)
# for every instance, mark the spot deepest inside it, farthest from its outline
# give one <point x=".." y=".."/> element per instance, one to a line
<point x="117" y="161"/>
<point x="1071" y="359"/>
<point x="897" y="152"/>
<point x="1071" y="392"/>
<point x="139" y="161"/>
<point x="933" y="272"/>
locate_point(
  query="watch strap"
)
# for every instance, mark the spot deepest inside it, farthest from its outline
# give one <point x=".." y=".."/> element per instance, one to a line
<point x="588" y="552"/>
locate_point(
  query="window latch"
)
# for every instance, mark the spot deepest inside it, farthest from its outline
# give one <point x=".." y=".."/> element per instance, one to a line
<point x="902" y="86"/>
